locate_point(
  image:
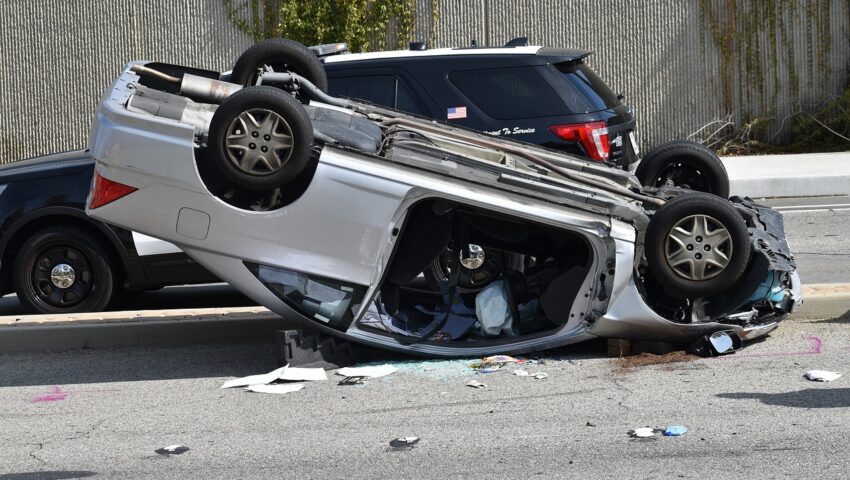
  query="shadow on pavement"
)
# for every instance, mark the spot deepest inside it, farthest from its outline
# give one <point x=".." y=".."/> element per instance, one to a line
<point x="136" y="364"/>
<point x="809" y="398"/>
<point x="53" y="475"/>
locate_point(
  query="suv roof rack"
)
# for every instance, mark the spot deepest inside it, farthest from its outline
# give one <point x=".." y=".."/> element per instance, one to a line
<point x="518" y="42"/>
<point x="327" y="49"/>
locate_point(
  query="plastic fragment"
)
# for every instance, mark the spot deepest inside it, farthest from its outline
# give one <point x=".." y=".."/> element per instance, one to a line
<point x="172" y="450"/>
<point x="476" y="384"/>
<point x="822" y="375"/>
<point x="494" y="362"/>
<point x="675" y="430"/>
<point x="404" y="443"/>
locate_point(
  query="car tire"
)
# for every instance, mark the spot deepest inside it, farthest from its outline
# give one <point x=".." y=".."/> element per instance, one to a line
<point x="265" y="158"/>
<point x="697" y="245"/>
<point x="687" y="164"/>
<point x="470" y="280"/>
<point x="43" y="287"/>
<point x="282" y="55"/>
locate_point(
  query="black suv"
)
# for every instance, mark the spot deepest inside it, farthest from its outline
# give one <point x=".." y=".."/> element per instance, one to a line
<point x="546" y="96"/>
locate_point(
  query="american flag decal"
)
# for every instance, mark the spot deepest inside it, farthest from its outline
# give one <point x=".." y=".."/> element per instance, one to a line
<point x="455" y="113"/>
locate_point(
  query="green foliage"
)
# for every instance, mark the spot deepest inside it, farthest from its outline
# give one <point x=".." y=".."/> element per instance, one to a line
<point x="827" y="129"/>
<point x="366" y="25"/>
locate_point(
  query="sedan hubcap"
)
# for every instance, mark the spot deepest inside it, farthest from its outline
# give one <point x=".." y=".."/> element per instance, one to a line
<point x="698" y="247"/>
<point x="63" y="275"/>
<point x="259" y="142"/>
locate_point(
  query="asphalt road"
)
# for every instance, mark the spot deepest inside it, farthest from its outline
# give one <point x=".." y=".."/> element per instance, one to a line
<point x="103" y="413"/>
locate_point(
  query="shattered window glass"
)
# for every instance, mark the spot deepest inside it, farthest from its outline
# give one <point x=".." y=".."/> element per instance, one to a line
<point x="328" y="301"/>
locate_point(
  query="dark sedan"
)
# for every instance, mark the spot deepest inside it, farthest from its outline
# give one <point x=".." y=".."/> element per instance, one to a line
<point x="57" y="259"/>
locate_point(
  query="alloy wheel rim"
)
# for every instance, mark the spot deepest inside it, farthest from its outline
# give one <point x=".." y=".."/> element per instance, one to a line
<point x="698" y="247"/>
<point x="259" y="142"/>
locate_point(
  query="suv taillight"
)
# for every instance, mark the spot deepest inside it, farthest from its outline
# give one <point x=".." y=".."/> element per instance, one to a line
<point x="106" y="191"/>
<point x="592" y="136"/>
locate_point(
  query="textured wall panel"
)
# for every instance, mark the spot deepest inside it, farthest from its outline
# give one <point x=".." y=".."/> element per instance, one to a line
<point x="60" y="55"/>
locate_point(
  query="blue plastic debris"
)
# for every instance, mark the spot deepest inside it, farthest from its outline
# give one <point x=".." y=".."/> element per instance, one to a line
<point x="675" y="430"/>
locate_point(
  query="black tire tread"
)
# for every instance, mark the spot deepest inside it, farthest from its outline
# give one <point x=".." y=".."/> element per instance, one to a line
<point x="673" y="211"/>
<point x="272" y="99"/>
<point x="303" y="61"/>
<point x="95" y="302"/>
<point x="655" y="160"/>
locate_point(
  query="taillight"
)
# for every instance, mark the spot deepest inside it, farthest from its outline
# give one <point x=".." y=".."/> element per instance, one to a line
<point x="592" y="136"/>
<point x="106" y="191"/>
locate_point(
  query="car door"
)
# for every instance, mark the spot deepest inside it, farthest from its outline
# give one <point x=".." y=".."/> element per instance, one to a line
<point x="385" y="86"/>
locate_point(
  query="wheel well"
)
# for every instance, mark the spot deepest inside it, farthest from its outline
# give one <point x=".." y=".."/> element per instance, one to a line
<point x="22" y="234"/>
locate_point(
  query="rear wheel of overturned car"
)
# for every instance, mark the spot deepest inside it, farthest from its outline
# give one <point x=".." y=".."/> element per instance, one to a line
<point x="260" y="139"/>
<point x="685" y="164"/>
<point x="697" y="245"/>
<point x="63" y="270"/>
<point x="282" y="55"/>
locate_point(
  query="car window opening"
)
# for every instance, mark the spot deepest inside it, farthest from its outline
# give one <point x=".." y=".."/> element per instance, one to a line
<point x="486" y="277"/>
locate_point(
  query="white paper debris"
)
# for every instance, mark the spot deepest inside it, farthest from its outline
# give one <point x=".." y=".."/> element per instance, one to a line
<point x="297" y="374"/>
<point x="525" y="373"/>
<point x="644" y="432"/>
<point x="263" y="379"/>
<point x="277" y="389"/>
<point x="367" y="372"/>
<point x="822" y="375"/>
<point x="476" y="384"/>
<point x="172" y="450"/>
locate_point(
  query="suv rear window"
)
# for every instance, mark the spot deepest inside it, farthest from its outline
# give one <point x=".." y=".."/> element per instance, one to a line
<point x="508" y="93"/>
<point x="584" y="90"/>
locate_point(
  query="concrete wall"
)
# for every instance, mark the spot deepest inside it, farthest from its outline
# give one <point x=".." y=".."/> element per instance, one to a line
<point x="60" y="55"/>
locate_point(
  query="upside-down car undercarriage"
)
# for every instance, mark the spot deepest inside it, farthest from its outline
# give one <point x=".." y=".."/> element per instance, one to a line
<point x="402" y="233"/>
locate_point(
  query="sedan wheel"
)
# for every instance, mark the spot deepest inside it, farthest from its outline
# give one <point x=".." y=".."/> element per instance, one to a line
<point x="697" y="245"/>
<point x="63" y="270"/>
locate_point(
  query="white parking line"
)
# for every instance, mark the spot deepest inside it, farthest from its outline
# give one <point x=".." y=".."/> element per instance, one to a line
<point x="815" y="210"/>
<point x="837" y="206"/>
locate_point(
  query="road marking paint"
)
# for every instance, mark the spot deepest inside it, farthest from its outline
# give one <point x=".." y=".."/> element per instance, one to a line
<point x="828" y="205"/>
<point x="816" y="210"/>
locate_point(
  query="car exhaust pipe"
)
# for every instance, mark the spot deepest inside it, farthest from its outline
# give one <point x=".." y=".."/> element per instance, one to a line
<point x="203" y="88"/>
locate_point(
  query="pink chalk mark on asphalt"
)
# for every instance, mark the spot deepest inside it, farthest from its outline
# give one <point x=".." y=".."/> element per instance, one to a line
<point x="816" y="348"/>
<point x="56" y="395"/>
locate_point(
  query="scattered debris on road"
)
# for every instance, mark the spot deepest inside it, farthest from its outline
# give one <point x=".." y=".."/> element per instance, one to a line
<point x="403" y="443"/>
<point x="822" y="375"/>
<point x="643" y="432"/>
<point x="675" y="430"/>
<point x="526" y="373"/>
<point x="355" y="375"/>
<point x="276" y="389"/>
<point x="172" y="450"/>
<point x="265" y="383"/>
<point x="493" y="363"/>
<point x="476" y="384"/>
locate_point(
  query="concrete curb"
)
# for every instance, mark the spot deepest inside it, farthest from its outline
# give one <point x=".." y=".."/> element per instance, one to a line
<point x="803" y="175"/>
<point x="240" y="325"/>
<point x="139" y="329"/>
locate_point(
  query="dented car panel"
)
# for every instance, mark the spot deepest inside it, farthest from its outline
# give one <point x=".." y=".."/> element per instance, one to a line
<point x="340" y="254"/>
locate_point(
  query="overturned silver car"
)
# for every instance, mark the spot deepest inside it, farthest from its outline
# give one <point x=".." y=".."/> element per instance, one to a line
<point x="407" y="234"/>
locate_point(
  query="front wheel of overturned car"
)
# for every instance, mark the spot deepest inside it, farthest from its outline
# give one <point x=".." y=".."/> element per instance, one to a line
<point x="260" y="139"/>
<point x="63" y="270"/>
<point x="697" y="245"/>
<point x="686" y="164"/>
